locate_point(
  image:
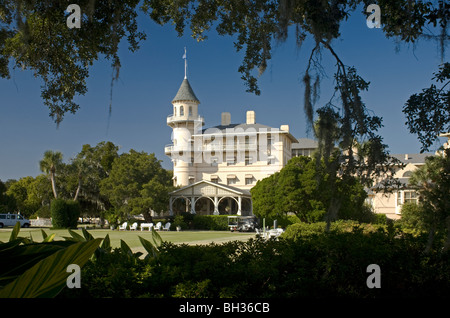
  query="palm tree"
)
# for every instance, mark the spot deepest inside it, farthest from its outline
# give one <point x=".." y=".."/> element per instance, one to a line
<point x="51" y="162"/>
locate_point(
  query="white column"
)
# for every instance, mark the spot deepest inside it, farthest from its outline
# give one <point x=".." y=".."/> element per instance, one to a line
<point x="192" y="205"/>
<point x="216" y="205"/>
<point x="239" y="212"/>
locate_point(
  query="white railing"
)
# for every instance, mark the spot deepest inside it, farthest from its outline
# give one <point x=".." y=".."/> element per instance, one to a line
<point x="173" y="118"/>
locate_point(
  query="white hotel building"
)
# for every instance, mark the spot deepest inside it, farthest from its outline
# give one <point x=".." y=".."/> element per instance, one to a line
<point x="216" y="167"/>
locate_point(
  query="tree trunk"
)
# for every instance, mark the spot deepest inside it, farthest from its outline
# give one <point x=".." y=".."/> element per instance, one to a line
<point x="430" y="240"/>
<point x="147" y="217"/>
<point x="52" y="179"/>
<point x="332" y="212"/>
<point x="78" y="189"/>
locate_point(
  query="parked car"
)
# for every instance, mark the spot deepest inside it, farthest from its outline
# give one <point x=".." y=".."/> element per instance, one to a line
<point x="10" y="219"/>
<point x="242" y="223"/>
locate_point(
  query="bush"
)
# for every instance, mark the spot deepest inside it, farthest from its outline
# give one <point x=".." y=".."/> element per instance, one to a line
<point x="210" y="222"/>
<point x="316" y="265"/>
<point x="179" y="221"/>
<point x="44" y="212"/>
<point x="413" y="216"/>
<point x="65" y="213"/>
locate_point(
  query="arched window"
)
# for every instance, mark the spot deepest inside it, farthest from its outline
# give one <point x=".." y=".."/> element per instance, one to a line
<point x="174" y="110"/>
<point x="181" y="111"/>
<point x="190" y="110"/>
<point x="407" y="174"/>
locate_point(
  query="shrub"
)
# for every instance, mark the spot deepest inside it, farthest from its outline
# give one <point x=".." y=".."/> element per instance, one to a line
<point x="210" y="222"/>
<point x="65" y="213"/>
<point x="179" y="221"/>
<point x="44" y="212"/>
<point x="412" y="216"/>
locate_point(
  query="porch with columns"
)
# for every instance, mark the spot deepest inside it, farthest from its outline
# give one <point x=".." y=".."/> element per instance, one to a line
<point x="209" y="198"/>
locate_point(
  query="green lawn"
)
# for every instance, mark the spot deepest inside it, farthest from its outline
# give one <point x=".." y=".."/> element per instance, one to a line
<point x="132" y="237"/>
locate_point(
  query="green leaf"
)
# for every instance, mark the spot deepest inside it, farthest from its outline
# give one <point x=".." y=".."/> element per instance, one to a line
<point x="44" y="235"/>
<point x="48" y="277"/>
<point x="125" y="248"/>
<point x="77" y="237"/>
<point x="87" y="235"/>
<point x="149" y="247"/>
<point x="49" y="238"/>
<point x="156" y="238"/>
<point x="15" y="259"/>
<point x="15" y="232"/>
<point x="106" y="244"/>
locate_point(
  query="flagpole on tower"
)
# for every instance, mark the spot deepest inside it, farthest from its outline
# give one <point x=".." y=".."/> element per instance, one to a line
<point x="185" y="63"/>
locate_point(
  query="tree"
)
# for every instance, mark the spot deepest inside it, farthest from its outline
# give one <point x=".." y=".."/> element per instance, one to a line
<point x="428" y="112"/>
<point x="51" y="162"/>
<point x="34" y="34"/>
<point x="7" y="202"/>
<point x="79" y="180"/>
<point x="433" y="183"/>
<point x="97" y="163"/>
<point x="303" y="189"/>
<point x="137" y="184"/>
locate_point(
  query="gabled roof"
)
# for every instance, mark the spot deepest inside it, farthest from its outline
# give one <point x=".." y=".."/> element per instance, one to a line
<point x="185" y="93"/>
<point x="234" y="190"/>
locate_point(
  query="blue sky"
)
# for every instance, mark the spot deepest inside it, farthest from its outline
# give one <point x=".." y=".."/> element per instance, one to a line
<point x="150" y="78"/>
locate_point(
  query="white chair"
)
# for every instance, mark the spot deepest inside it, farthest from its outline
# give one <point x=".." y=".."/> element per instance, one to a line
<point x="166" y="227"/>
<point x="123" y="226"/>
<point x="158" y="226"/>
<point x="134" y="226"/>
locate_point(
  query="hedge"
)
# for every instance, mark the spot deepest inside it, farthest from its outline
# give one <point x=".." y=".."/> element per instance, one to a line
<point x="65" y="213"/>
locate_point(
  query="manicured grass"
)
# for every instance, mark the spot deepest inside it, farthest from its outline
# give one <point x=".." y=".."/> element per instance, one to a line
<point x="132" y="237"/>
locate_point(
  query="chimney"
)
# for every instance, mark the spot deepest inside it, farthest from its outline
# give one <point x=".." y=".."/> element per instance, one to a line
<point x="226" y="119"/>
<point x="284" y="128"/>
<point x="406" y="156"/>
<point x="250" y="117"/>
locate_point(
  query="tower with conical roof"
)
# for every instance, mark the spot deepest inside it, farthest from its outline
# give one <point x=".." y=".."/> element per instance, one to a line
<point x="185" y="122"/>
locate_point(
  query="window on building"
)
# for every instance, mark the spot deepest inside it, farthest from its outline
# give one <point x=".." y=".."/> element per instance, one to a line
<point x="248" y="181"/>
<point x="215" y="179"/>
<point x="231" y="161"/>
<point x="181" y="111"/>
<point x="407" y="174"/>
<point x="190" y="110"/>
<point x="410" y="197"/>
<point x="406" y="197"/>
<point x="248" y="161"/>
<point x="271" y="161"/>
<point x="231" y="181"/>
